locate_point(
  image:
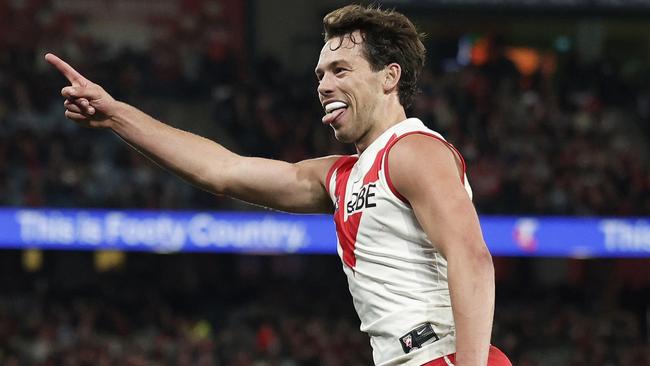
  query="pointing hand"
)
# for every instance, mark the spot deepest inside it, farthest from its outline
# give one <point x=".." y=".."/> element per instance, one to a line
<point x="86" y="103"/>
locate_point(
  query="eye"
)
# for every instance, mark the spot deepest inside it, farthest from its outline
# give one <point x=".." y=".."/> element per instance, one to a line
<point x="340" y="70"/>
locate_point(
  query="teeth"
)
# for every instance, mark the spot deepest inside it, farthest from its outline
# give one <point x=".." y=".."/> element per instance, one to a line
<point x="334" y="106"/>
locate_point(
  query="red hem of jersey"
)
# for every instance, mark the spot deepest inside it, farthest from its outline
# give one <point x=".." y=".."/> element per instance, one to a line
<point x="392" y="143"/>
<point x="495" y="358"/>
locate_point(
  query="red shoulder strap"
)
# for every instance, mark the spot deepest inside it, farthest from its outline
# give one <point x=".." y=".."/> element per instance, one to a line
<point x="346" y="161"/>
<point x="394" y="141"/>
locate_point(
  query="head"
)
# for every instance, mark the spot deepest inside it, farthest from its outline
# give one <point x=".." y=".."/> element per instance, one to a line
<point x="371" y="61"/>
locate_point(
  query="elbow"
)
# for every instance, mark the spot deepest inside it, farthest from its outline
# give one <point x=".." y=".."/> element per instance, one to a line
<point x="208" y="182"/>
<point x="481" y="259"/>
<point x="475" y="258"/>
<point x="216" y="180"/>
<point x="483" y="255"/>
<point x="218" y="187"/>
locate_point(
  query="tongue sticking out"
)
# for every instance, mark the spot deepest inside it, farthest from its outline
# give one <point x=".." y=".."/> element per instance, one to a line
<point x="330" y="117"/>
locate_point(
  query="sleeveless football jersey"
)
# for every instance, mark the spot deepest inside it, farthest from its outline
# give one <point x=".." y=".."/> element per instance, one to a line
<point x="397" y="277"/>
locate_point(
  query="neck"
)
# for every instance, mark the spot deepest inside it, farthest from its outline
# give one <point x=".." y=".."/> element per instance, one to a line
<point x="378" y="126"/>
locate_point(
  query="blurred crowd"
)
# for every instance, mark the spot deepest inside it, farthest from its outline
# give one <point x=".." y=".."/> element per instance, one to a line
<point x="569" y="141"/>
<point x="187" y="315"/>
<point x="279" y="311"/>
<point x="546" y="144"/>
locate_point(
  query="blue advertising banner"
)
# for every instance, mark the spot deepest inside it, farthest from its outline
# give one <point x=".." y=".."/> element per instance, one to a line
<point x="274" y="233"/>
<point x="567" y="236"/>
<point x="164" y="232"/>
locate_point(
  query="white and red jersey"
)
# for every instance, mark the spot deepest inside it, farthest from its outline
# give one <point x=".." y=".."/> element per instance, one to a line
<point x="397" y="277"/>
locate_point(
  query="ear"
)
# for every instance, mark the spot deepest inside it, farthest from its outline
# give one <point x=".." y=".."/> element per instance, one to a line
<point x="392" y="75"/>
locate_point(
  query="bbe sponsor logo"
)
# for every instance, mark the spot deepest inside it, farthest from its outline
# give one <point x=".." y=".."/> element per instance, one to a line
<point x="362" y="199"/>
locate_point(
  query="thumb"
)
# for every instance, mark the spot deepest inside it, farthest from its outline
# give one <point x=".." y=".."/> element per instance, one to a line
<point x="70" y="92"/>
<point x="90" y="92"/>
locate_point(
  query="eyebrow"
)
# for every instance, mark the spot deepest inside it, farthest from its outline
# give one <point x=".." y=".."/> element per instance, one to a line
<point x="331" y="65"/>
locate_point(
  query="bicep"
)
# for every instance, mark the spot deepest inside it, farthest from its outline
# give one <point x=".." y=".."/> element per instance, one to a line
<point x="292" y="187"/>
<point x="434" y="188"/>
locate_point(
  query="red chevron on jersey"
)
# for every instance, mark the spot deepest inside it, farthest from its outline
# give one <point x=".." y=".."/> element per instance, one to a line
<point x="346" y="231"/>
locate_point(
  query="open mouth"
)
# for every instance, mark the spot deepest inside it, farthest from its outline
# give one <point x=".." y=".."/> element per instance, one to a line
<point x="333" y="110"/>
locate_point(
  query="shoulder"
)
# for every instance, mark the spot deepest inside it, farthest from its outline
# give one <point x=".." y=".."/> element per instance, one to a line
<point x="324" y="167"/>
<point x="421" y="161"/>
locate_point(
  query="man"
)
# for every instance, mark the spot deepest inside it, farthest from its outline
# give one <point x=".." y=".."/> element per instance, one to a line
<point x="419" y="272"/>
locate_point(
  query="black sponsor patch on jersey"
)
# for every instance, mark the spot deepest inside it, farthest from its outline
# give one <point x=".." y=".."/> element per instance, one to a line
<point x="416" y="337"/>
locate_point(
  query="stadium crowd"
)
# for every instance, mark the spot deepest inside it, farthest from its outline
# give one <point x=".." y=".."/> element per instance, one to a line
<point x="570" y="141"/>
<point x="527" y="150"/>
<point x="178" y="310"/>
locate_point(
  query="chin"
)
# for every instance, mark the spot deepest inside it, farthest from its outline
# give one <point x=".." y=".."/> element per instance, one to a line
<point x="343" y="137"/>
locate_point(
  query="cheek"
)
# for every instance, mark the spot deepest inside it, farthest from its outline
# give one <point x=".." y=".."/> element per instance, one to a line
<point x="363" y="93"/>
<point x="372" y="89"/>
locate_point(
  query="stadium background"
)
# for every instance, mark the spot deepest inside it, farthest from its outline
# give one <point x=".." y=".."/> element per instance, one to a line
<point x="548" y="101"/>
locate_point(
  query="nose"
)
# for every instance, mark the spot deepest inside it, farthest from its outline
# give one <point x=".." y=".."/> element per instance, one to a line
<point x="325" y="85"/>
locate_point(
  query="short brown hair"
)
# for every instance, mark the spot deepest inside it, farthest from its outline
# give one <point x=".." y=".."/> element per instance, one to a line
<point x="388" y="36"/>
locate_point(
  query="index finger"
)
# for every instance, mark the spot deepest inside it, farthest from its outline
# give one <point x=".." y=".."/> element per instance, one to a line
<point x="70" y="73"/>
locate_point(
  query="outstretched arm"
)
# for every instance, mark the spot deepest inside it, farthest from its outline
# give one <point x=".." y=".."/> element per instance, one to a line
<point x="442" y="206"/>
<point x="280" y="185"/>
